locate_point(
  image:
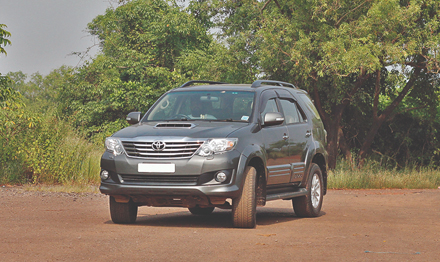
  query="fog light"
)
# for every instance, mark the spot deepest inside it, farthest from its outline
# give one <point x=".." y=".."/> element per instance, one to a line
<point x="221" y="177"/>
<point x="104" y="174"/>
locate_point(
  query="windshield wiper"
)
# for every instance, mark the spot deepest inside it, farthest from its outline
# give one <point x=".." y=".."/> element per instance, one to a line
<point x="225" y="120"/>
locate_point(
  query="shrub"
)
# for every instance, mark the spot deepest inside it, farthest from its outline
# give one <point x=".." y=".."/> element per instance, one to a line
<point x="40" y="148"/>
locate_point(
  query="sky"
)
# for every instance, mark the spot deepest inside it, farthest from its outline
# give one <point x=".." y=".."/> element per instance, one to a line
<point x="45" y="32"/>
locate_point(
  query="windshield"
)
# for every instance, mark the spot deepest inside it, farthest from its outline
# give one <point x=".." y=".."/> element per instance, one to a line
<point x="203" y="105"/>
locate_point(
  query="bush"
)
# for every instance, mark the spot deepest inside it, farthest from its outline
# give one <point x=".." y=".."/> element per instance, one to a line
<point x="40" y="148"/>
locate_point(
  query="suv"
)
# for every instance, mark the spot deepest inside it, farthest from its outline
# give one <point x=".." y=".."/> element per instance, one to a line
<point x="231" y="146"/>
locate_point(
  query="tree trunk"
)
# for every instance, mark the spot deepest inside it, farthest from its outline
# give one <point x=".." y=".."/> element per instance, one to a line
<point x="378" y="120"/>
<point x="345" y="149"/>
<point x="332" y="122"/>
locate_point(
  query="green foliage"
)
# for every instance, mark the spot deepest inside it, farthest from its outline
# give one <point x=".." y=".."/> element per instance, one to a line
<point x="218" y="63"/>
<point x="41" y="92"/>
<point x="8" y="96"/>
<point x="334" y="48"/>
<point x="141" y="43"/>
<point x="40" y="148"/>
<point x="3" y="41"/>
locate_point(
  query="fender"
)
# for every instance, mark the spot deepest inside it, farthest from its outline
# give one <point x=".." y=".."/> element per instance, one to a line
<point x="313" y="150"/>
<point x="249" y="153"/>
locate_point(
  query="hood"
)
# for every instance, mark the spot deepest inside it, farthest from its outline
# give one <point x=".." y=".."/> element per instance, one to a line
<point x="190" y="129"/>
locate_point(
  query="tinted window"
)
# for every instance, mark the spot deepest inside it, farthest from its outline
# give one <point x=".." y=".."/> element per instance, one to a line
<point x="271" y="106"/>
<point x="310" y="105"/>
<point x="291" y="112"/>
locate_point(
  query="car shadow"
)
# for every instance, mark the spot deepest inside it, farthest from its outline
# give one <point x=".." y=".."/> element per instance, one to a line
<point x="220" y="218"/>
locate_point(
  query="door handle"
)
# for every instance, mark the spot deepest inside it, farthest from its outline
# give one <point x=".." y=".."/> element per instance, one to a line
<point x="308" y="133"/>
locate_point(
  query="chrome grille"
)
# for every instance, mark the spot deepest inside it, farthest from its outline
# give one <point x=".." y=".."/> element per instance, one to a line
<point x="172" y="150"/>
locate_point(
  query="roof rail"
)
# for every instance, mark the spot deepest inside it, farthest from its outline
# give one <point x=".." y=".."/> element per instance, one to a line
<point x="200" y="81"/>
<point x="259" y="83"/>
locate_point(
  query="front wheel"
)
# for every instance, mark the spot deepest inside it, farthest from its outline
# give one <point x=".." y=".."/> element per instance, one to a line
<point x="310" y="204"/>
<point x="244" y="207"/>
<point x="123" y="213"/>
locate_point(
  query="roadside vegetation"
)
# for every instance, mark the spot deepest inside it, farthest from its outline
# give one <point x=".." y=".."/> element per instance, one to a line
<point x="372" y="68"/>
<point x="41" y="148"/>
<point x="379" y="175"/>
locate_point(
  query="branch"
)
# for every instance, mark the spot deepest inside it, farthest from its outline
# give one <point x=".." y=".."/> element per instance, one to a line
<point x="416" y="65"/>
<point x="359" y="82"/>
<point x="354" y="9"/>
<point x="391" y="117"/>
<point x="264" y="7"/>
<point x="318" y="103"/>
<point x="376" y="94"/>
<point x="413" y="108"/>
<point x="390" y="108"/>
<point x="276" y="2"/>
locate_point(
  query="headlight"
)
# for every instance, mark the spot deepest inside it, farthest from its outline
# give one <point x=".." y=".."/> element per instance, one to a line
<point x="217" y="146"/>
<point x="114" y="146"/>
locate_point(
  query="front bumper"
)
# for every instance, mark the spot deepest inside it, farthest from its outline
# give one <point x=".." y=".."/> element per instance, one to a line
<point x="202" y="193"/>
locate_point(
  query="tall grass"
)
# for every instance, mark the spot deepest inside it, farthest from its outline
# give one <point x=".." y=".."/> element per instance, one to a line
<point x="376" y="175"/>
<point x="40" y="148"/>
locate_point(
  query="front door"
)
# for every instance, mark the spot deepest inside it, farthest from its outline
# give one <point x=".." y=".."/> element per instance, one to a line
<point x="276" y="145"/>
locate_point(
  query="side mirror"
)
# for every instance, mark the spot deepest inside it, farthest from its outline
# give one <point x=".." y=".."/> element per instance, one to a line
<point x="133" y="118"/>
<point x="273" y="118"/>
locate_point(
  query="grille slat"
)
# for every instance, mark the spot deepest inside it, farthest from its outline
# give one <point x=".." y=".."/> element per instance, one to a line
<point x="168" y="150"/>
<point x="159" y="154"/>
<point x="188" y="180"/>
<point x="172" y="150"/>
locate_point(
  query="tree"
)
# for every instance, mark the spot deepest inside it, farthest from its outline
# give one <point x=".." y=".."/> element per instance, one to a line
<point x="7" y="95"/>
<point x="141" y="42"/>
<point x="3" y="41"/>
<point x="341" y="51"/>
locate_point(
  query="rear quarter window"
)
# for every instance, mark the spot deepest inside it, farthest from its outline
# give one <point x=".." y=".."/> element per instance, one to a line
<point x="308" y="102"/>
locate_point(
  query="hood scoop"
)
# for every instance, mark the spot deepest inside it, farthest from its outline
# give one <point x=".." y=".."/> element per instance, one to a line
<point x="175" y="125"/>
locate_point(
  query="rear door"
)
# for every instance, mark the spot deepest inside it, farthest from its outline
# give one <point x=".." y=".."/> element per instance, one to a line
<point x="299" y="133"/>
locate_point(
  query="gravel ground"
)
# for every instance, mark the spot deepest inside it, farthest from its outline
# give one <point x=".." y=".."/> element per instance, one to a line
<point x="355" y="225"/>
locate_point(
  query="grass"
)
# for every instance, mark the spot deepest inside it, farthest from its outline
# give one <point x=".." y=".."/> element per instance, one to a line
<point x="47" y="151"/>
<point x="374" y="176"/>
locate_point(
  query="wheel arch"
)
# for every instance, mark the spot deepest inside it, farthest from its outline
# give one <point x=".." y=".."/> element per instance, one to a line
<point x="319" y="159"/>
<point x="259" y="166"/>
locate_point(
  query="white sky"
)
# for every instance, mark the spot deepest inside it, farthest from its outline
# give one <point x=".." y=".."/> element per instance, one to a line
<point x="45" y="32"/>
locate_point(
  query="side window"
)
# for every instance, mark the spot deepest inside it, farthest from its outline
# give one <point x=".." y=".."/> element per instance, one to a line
<point x="310" y="105"/>
<point x="271" y="106"/>
<point x="291" y="112"/>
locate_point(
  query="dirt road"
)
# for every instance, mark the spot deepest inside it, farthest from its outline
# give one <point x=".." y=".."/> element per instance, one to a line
<point x="355" y="225"/>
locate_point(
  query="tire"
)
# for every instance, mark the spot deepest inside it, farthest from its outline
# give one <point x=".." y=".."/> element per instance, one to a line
<point x="201" y="210"/>
<point x="123" y="213"/>
<point x="244" y="207"/>
<point x="310" y="204"/>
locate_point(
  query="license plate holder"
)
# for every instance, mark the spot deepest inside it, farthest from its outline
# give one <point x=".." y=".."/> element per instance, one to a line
<point x="156" y="168"/>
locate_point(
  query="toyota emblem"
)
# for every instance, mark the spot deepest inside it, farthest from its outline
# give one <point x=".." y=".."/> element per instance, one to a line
<point x="158" y="145"/>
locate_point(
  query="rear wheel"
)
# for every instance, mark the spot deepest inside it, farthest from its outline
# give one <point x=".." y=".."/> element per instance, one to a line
<point x="201" y="210"/>
<point x="123" y="213"/>
<point x="310" y="204"/>
<point x="244" y="207"/>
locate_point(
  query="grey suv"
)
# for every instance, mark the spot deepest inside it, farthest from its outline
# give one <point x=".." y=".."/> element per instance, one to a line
<point x="230" y="146"/>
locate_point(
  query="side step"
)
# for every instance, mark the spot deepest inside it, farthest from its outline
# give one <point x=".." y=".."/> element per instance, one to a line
<point x="287" y="195"/>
